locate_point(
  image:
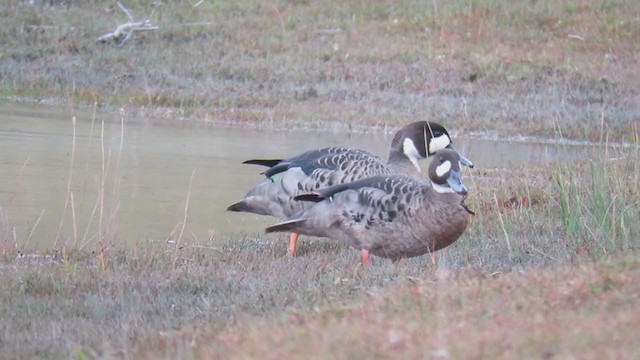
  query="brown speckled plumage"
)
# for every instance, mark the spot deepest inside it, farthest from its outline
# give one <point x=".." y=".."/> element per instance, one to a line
<point x="390" y="216"/>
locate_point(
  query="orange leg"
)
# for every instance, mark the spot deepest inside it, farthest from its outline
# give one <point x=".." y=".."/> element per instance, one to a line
<point x="293" y="244"/>
<point x="364" y="256"/>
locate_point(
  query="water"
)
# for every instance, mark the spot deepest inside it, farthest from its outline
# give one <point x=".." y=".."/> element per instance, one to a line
<point x="147" y="178"/>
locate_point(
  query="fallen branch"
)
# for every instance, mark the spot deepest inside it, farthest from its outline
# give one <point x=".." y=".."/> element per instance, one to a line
<point x="124" y="32"/>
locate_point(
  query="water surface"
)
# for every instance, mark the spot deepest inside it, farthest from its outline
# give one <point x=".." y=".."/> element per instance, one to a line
<point x="147" y="174"/>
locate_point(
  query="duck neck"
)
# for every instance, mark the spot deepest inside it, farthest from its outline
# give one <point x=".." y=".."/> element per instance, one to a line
<point x="403" y="164"/>
<point x="440" y="189"/>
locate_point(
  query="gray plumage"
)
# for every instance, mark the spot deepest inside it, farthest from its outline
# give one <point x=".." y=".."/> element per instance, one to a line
<point x="316" y="169"/>
<point x="390" y="216"/>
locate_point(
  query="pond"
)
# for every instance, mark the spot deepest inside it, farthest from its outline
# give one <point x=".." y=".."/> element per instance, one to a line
<point x="51" y="180"/>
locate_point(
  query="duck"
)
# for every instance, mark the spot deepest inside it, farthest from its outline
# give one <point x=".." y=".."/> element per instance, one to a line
<point x="287" y="178"/>
<point x="391" y="216"/>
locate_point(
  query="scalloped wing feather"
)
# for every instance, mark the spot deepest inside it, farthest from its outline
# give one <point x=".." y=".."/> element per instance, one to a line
<point x="310" y="171"/>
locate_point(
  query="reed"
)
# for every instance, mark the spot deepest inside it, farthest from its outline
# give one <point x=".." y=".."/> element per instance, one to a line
<point x="183" y="224"/>
<point x="69" y="195"/>
<point x="8" y="235"/>
<point x="599" y="201"/>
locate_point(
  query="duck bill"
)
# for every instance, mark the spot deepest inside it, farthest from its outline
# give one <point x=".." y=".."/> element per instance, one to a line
<point x="463" y="160"/>
<point x="455" y="183"/>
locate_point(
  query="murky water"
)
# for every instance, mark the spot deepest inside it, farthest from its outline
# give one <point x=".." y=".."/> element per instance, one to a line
<point x="147" y="175"/>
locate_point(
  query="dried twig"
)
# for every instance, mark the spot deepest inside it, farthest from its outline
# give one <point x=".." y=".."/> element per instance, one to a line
<point x="124" y="32"/>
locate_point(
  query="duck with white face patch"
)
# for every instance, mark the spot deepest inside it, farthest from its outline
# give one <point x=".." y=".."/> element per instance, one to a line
<point x="316" y="169"/>
<point x="389" y="216"/>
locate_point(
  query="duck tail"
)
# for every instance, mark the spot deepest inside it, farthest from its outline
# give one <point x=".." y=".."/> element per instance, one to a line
<point x="240" y="206"/>
<point x="285" y="226"/>
<point x="263" y="162"/>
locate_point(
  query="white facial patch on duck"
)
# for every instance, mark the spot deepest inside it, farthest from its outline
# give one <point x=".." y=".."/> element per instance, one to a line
<point x="441" y="188"/>
<point x="439" y="143"/>
<point x="443" y="168"/>
<point x="410" y="150"/>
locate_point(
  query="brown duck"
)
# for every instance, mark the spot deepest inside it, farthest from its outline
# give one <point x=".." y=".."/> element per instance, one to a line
<point x="389" y="216"/>
<point x="315" y="169"/>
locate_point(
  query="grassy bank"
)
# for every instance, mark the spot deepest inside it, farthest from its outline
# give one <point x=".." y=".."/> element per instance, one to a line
<point x="547" y="267"/>
<point x="236" y="304"/>
<point x="586" y="311"/>
<point x="538" y="68"/>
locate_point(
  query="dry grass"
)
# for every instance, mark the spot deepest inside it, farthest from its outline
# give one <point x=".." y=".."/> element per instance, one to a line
<point x="587" y="311"/>
<point x="545" y="270"/>
<point x="521" y="282"/>
<point x="532" y="68"/>
<point x="248" y="300"/>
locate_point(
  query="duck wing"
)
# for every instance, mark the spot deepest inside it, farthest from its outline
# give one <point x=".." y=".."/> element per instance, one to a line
<point x="305" y="173"/>
<point x="346" y="211"/>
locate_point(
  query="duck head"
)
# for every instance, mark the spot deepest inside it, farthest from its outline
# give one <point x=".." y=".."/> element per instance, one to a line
<point x="420" y="140"/>
<point x="445" y="174"/>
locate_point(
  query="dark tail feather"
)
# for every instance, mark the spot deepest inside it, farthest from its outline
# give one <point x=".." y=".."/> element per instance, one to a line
<point x="263" y="162"/>
<point x="277" y="169"/>
<point x="241" y="206"/>
<point x="311" y="197"/>
<point x="328" y="192"/>
<point x="275" y="166"/>
<point x="285" y="226"/>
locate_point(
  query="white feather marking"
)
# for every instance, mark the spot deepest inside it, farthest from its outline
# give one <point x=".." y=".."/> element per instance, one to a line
<point x="290" y="180"/>
<point x="439" y="143"/>
<point x="443" y="168"/>
<point x="410" y="150"/>
<point x="441" y="189"/>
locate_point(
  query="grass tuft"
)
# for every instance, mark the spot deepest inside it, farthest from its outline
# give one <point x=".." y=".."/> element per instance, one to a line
<point x="599" y="202"/>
